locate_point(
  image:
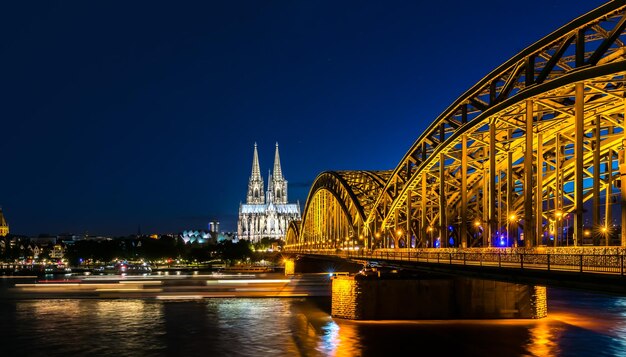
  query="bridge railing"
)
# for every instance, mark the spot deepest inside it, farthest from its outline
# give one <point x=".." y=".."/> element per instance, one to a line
<point x="612" y="263"/>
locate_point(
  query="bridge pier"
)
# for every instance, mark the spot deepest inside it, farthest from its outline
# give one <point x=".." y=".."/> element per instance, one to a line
<point x="395" y="297"/>
<point x="307" y="265"/>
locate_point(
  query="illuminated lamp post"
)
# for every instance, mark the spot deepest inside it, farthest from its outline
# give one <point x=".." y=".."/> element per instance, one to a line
<point x="558" y="215"/>
<point x="605" y="233"/>
<point x="567" y="231"/>
<point x="430" y="236"/>
<point x="512" y="221"/>
<point x="399" y="235"/>
<point x="477" y="227"/>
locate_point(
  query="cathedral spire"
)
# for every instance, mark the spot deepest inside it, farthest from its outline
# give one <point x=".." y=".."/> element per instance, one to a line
<point x="256" y="169"/>
<point x="278" y="173"/>
<point x="270" y="188"/>
<point x="4" y="226"/>
<point x="255" y="184"/>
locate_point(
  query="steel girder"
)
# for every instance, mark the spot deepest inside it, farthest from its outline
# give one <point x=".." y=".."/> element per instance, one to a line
<point x="336" y="207"/>
<point x="546" y="124"/>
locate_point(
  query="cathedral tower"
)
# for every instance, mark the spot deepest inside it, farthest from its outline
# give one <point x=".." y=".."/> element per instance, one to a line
<point x="279" y="184"/>
<point x="4" y="226"/>
<point x="255" y="184"/>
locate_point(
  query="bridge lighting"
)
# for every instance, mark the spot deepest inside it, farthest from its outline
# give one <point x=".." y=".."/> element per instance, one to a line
<point x="512" y="217"/>
<point x="377" y="235"/>
<point x="559" y="214"/>
<point x="399" y="232"/>
<point x="587" y="233"/>
<point x="604" y="229"/>
<point x="429" y="229"/>
<point x="477" y="224"/>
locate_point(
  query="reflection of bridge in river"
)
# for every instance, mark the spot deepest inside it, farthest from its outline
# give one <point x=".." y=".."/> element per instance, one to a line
<point x="534" y="146"/>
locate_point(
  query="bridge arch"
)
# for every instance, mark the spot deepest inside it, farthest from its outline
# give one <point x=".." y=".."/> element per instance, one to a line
<point x="335" y="209"/>
<point x="521" y="150"/>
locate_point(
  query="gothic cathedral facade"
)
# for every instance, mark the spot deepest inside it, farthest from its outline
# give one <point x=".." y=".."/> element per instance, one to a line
<point x="266" y="214"/>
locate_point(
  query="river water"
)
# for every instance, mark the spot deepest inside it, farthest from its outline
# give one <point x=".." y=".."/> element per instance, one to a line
<point x="578" y="324"/>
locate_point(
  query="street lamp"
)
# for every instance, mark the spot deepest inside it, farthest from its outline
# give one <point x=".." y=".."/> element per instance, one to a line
<point x="399" y="234"/>
<point x="605" y="233"/>
<point x="477" y="226"/>
<point x="512" y="220"/>
<point x="430" y="235"/>
<point x="567" y="229"/>
<point x="558" y="215"/>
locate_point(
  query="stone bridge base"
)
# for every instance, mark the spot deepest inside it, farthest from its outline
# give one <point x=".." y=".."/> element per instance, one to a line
<point x="393" y="297"/>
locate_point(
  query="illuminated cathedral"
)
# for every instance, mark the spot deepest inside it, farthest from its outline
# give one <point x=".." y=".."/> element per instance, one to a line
<point x="266" y="214"/>
<point x="4" y="226"/>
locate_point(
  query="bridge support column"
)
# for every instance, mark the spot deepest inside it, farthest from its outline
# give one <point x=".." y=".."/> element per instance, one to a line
<point x="595" y="221"/>
<point x="463" y="230"/>
<point x="511" y="216"/>
<point x="425" y="225"/>
<point x="528" y="178"/>
<point x="407" y="242"/>
<point x="539" y="193"/>
<point x="493" y="226"/>
<point x="380" y="297"/>
<point x="609" y="189"/>
<point x="443" y="224"/>
<point x="579" y="109"/>
<point x="290" y="266"/>
<point x="558" y="201"/>
<point x="622" y="171"/>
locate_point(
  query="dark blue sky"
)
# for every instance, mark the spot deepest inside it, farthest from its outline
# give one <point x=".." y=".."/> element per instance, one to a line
<point x="119" y="114"/>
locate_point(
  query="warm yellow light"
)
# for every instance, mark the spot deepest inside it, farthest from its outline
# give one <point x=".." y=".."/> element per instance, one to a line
<point x="512" y="217"/>
<point x="377" y="235"/>
<point x="587" y="233"/>
<point x="604" y="229"/>
<point x="399" y="232"/>
<point x="559" y="214"/>
<point x="430" y="229"/>
<point x="477" y="223"/>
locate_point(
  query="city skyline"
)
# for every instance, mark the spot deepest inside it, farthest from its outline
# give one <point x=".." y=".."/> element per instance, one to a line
<point x="126" y="115"/>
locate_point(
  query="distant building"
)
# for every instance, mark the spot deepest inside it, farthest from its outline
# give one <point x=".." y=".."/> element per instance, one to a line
<point x="227" y="236"/>
<point x="266" y="216"/>
<point x="192" y="236"/>
<point x="57" y="252"/>
<point x="4" y="226"/>
<point x="214" y="227"/>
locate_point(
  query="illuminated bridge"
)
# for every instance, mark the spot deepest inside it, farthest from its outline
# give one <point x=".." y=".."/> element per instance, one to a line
<point x="531" y="157"/>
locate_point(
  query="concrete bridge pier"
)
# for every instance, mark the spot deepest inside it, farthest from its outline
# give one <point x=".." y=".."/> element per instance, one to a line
<point x="306" y="265"/>
<point x="396" y="297"/>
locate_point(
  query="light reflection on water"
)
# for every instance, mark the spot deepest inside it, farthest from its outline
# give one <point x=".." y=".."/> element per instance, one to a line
<point x="579" y="324"/>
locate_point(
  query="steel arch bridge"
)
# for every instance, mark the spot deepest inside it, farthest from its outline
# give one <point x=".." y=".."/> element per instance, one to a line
<point x="536" y="142"/>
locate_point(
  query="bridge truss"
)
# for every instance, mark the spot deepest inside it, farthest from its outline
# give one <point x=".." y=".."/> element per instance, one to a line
<point x="537" y="142"/>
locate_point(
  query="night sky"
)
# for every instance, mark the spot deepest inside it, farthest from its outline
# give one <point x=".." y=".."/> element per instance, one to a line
<point x="124" y="115"/>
